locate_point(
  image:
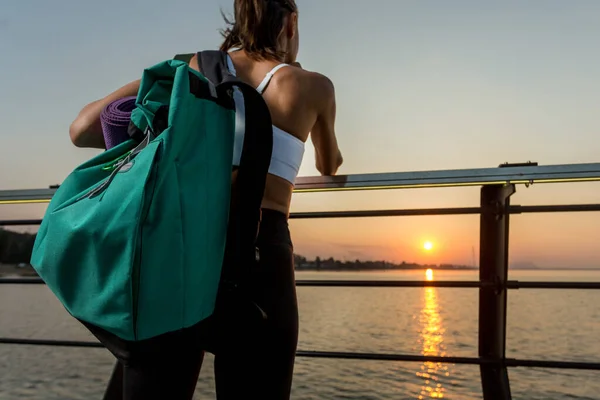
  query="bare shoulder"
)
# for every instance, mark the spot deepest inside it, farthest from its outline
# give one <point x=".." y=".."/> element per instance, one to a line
<point x="314" y="79"/>
<point x="314" y="86"/>
<point x="322" y="91"/>
<point x="320" y="80"/>
<point x="321" y="84"/>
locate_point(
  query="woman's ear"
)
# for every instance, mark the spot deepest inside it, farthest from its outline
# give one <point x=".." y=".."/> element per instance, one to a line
<point x="292" y="22"/>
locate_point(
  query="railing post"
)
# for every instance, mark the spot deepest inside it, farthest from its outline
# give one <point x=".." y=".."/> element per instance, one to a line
<point x="493" y="273"/>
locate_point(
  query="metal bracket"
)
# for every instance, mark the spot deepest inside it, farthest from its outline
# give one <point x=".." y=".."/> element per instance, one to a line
<point x="499" y="205"/>
<point x="516" y="165"/>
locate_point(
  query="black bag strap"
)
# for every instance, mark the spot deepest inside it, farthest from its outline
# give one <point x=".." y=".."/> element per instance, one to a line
<point x="213" y="65"/>
<point x="185" y="57"/>
<point x="247" y="194"/>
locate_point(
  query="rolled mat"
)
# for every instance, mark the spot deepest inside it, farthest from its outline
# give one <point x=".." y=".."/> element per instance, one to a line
<point x="115" y="120"/>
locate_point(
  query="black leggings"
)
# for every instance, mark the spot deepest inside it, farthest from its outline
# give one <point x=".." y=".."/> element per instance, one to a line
<point x="168" y="368"/>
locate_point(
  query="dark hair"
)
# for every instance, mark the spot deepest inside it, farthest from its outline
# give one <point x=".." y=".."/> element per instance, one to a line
<point x="257" y="26"/>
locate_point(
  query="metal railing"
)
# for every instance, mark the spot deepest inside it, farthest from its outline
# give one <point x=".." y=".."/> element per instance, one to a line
<point x="497" y="186"/>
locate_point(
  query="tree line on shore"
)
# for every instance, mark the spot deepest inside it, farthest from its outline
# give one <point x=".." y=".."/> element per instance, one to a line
<point x="331" y="264"/>
<point x="16" y="248"/>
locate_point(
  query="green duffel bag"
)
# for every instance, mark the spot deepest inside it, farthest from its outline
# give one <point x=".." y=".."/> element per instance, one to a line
<point x="134" y="240"/>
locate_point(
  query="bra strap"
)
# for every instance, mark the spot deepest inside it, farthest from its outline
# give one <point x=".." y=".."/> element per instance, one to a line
<point x="263" y="85"/>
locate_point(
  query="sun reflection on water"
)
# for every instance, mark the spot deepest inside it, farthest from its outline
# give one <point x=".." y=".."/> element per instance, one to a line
<point x="431" y="341"/>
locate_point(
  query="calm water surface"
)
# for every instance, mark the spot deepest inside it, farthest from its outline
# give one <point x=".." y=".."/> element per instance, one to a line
<point x="542" y="324"/>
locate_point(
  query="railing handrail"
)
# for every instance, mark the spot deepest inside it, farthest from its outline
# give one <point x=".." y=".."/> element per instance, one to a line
<point x="505" y="174"/>
<point x="498" y="185"/>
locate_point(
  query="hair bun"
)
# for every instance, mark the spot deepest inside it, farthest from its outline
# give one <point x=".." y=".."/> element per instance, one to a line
<point x="257" y="27"/>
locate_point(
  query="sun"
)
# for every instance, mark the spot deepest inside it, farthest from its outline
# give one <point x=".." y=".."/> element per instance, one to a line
<point x="428" y="245"/>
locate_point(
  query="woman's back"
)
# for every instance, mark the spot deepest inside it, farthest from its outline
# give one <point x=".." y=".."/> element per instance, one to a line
<point x="300" y="102"/>
<point x="289" y="95"/>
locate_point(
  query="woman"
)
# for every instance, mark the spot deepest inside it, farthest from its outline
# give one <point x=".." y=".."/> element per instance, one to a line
<point x="265" y="36"/>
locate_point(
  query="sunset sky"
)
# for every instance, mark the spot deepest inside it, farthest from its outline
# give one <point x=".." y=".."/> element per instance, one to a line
<point x="421" y="85"/>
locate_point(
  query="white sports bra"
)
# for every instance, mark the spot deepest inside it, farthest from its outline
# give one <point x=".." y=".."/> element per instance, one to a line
<point x="288" y="150"/>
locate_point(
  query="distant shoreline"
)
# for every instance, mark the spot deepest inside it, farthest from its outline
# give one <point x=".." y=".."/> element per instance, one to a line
<point x="16" y="247"/>
<point x="13" y="271"/>
<point x="443" y="269"/>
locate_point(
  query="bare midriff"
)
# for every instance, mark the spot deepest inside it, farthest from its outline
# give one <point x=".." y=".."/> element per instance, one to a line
<point x="278" y="193"/>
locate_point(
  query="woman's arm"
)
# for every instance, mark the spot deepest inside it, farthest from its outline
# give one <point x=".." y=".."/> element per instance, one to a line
<point x="86" y="130"/>
<point x="327" y="153"/>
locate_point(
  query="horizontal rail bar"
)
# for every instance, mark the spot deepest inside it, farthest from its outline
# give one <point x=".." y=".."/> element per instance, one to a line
<point x="512" y="284"/>
<point x="385" y="213"/>
<point x="510" y="362"/>
<point x="395" y="283"/>
<point x="515" y="209"/>
<point x="21" y="281"/>
<point x="20" y="222"/>
<point x="50" y="342"/>
<point x="398" y="180"/>
<point x="552" y="285"/>
<point x="452" y="178"/>
<point x="28" y="196"/>
<point x="515" y="362"/>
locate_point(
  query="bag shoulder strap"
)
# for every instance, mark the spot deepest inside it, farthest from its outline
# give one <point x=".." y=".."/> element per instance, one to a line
<point x="213" y="65"/>
<point x="247" y="194"/>
<point x="186" y="58"/>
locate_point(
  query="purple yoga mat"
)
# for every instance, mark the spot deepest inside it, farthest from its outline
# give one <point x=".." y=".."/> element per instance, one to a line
<point x="115" y="120"/>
